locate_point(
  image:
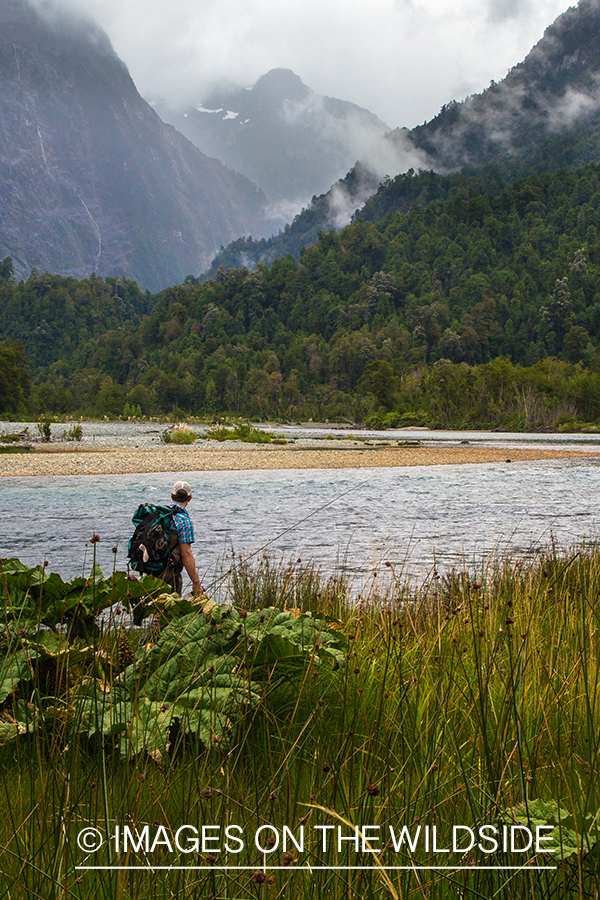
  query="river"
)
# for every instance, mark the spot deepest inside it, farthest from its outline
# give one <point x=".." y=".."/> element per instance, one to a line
<point x="344" y="519"/>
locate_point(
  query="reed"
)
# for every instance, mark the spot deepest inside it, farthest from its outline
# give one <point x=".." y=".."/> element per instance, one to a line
<point x="462" y="701"/>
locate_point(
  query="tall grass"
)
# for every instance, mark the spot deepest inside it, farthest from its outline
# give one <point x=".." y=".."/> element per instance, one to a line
<point x="461" y="702"/>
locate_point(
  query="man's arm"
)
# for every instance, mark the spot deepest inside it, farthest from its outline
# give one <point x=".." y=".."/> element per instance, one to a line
<point x="187" y="558"/>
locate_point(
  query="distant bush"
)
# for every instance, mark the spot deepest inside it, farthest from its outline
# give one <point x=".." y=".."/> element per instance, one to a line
<point x="180" y="435"/>
<point x="74" y="433"/>
<point x="243" y="432"/>
<point x="133" y="411"/>
<point x="44" y="430"/>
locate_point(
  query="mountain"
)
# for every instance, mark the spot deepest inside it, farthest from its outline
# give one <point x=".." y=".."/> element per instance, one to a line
<point x="553" y="91"/>
<point x="330" y="210"/>
<point x="289" y="140"/>
<point x="91" y="179"/>
<point x="543" y="116"/>
<point x="349" y="331"/>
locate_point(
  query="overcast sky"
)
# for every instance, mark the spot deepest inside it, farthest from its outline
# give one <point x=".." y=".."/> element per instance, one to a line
<point x="402" y="59"/>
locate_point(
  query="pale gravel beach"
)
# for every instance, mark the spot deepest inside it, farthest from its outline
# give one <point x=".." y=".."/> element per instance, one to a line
<point x="119" y="461"/>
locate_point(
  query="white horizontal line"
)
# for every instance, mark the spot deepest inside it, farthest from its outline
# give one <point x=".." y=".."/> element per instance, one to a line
<point x="319" y="868"/>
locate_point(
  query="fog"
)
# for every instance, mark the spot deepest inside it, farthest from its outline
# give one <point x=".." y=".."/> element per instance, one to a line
<point x="401" y="59"/>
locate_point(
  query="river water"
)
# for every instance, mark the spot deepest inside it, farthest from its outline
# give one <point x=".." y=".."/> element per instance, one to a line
<point x="342" y="519"/>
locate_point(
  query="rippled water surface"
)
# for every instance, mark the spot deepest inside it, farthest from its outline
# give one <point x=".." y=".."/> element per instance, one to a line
<point x="345" y="518"/>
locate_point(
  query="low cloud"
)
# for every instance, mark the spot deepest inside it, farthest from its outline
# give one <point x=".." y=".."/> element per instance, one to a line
<point x="504" y="10"/>
<point x="401" y="60"/>
<point x="574" y="106"/>
<point x="385" y="159"/>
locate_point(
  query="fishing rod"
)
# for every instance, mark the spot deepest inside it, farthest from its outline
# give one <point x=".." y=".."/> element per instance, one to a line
<point x="217" y="581"/>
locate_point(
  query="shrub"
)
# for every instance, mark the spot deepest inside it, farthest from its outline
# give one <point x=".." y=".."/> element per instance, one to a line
<point x="45" y="432"/>
<point x="74" y="433"/>
<point x="243" y="432"/>
<point x="179" y="435"/>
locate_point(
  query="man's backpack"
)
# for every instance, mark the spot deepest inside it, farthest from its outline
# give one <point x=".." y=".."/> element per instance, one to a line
<point x="152" y="543"/>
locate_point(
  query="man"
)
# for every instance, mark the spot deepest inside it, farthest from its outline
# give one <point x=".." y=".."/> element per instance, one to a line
<point x="182" y="537"/>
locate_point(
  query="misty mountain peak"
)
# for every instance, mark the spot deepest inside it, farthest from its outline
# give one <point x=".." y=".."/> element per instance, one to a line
<point x="543" y="116"/>
<point x="270" y="92"/>
<point x="292" y="142"/>
<point x="45" y="25"/>
<point x="279" y="85"/>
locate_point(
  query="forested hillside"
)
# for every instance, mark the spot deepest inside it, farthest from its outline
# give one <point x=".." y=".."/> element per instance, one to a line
<point x="542" y="117"/>
<point x="548" y="96"/>
<point x="574" y="148"/>
<point x="59" y="318"/>
<point x="399" y="321"/>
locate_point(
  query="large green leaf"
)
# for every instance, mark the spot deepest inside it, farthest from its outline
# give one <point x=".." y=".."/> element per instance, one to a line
<point x="286" y="637"/>
<point x="46" y="656"/>
<point x="21" y="720"/>
<point x="570" y="835"/>
<point x="206" y="670"/>
<point x="14" y="668"/>
<point x="32" y="596"/>
<point x="99" y="710"/>
<point x="189" y="675"/>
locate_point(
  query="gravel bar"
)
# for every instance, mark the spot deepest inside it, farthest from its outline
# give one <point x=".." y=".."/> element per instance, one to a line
<point x="119" y="461"/>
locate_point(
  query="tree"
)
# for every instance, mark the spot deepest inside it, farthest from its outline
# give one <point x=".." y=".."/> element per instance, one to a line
<point x="7" y="270"/>
<point x="380" y="381"/>
<point x="15" y="384"/>
<point x="558" y="306"/>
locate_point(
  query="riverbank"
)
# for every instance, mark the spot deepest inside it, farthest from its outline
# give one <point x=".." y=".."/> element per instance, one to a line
<point x="60" y="460"/>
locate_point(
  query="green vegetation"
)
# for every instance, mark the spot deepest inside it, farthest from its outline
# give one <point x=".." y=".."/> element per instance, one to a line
<point x="302" y="231"/>
<point x="57" y="319"/>
<point x="44" y="428"/>
<point x="10" y="438"/>
<point x="74" y="433"/>
<point x="243" y="431"/>
<point x="133" y="411"/>
<point x="179" y="435"/>
<point x="548" y="396"/>
<point x="460" y="702"/>
<point x="15" y="384"/>
<point x="494" y="293"/>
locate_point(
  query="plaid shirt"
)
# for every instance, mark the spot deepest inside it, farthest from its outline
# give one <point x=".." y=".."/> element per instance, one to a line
<point x="182" y="524"/>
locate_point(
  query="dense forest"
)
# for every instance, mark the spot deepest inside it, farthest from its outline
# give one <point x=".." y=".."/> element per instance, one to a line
<point x="473" y="308"/>
<point x="570" y="149"/>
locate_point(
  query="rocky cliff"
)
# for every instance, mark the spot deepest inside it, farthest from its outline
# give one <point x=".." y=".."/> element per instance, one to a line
<point x="91" y="179"/>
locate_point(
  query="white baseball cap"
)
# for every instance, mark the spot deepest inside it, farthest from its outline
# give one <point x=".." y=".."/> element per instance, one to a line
<point x="181" y="491"/>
